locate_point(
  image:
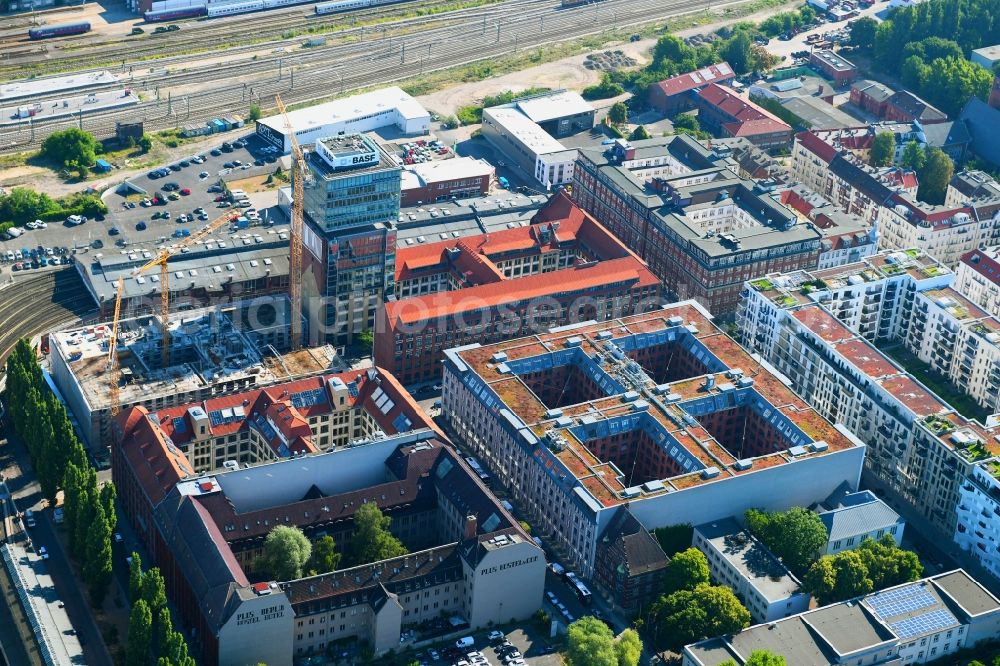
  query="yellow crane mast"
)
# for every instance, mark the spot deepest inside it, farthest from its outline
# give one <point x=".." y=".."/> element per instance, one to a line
<point x="295" y="240"/>
<point x="161" y="259"/>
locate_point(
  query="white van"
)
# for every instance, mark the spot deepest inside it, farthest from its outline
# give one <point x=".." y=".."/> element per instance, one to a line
<point x="465" y="642"/>
<point x="74" y="219"/>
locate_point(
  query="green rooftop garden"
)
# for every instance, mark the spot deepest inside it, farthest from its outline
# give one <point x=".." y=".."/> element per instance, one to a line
<point x="993" y="468"/>
<point x="915" y="254"/>
<point x="938" y="425"/>
<point x="785" y="301"/>
<point x="762" y="284"/>
<point x="813" y="285"/>
<point x="977" y="451"/>
<point x="933" y="271"/>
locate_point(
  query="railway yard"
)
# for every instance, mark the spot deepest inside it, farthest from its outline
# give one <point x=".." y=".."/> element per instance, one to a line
<point x="256" y="56"/>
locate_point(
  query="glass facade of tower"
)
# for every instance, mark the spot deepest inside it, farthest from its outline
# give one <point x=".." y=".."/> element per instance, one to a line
<point x="351" y="204"/>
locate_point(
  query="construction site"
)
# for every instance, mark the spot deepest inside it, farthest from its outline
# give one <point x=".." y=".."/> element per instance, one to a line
<point x="212" y="351"/>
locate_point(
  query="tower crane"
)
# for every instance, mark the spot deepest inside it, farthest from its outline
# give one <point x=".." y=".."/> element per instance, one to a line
<point x="161" y="259"/>
<point x="295" y="240"/>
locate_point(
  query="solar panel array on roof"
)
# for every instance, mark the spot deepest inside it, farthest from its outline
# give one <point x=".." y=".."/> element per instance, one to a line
<point x="308" y="398"/>
<point x="228" y="415"/>
<point x="352" y="389"/>
<point x="180" y="425"/>
<point x="901" y="600"/>
<point x="402" y="423"/>
<point x="924" y="624"/>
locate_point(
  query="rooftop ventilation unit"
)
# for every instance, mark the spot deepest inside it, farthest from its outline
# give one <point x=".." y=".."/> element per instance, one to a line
<point x="553" y="413"/>
<point x="575" y="341"/>
<point x="499" y="357"/>
<point x="797" y="451"/>
<point x="653" y="486"/>
<point x="744" y="464"/>
<point x="744" y="382"/>
<point x="819" y="446"/>
<point x="604" y="335"/>
<point x="631" y="492"/>
<point x="675" y="320"/>
<point x="710" y="472"/>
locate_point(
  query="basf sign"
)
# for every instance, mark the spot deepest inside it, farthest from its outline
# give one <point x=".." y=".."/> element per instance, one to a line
<point x="348" y="152"/>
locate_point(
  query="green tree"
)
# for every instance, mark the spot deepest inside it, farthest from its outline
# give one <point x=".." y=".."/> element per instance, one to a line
<point x="70" y="148"/>
<point x="686" y="121"/>
<point x="589" y="642"/>
<point x="255" y="113"/>
<point x="24" y="205"/>
<point x="325" y="557"/>
<point x="372" y="541"/>
<point x="175" y="649"/>
<point x="883" y="149"/>
<point x="72" y="482"/>
<point x="286" y="551"/>
<point x="140" y="634"/>
<point x="674" y="538"/>
<point x="838" y="577"/>
<point x="863" y="32"/>
<point x="913" y="156"/>
<point x="107" y="496"/>
<point x="97" y="565"/>
<point x="628" y="647"/>
<point x="163" y="628"/>
<point x="686" y="571"/>
<point x="146" y="143"/>
<point x="153" y="590"/>
<point x="915" y="72"/>
<point x="737" y="52"/>
<point x="603" y="90"/>
<point x="687" y="616"/>
<point x="365" y="341"/>
<point x="135" y="577"/>
<point x="796" y="535"/>
<point x="639" y="133"/>
<point x="888" y="564"/>
<point x="759" y="658"/>
<point x="618" y="113"/>
<point x="935" y="176"/>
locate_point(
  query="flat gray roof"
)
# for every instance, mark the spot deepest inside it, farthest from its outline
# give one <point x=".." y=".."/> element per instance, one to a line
<point x="969" y="594"/>
<point x="232" y="259"/>
<point x="751" y="558"/>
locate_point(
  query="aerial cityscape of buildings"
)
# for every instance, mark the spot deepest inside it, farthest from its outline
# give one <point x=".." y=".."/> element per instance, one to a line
<point x="315" y="356"/>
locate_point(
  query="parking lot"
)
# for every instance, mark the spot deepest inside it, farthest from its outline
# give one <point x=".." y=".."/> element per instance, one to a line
<point x="136" y="226"/>
<point x="532" y="647"/>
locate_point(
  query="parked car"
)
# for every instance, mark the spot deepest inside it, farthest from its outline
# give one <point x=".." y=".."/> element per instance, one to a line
<point x="140" y="226"/>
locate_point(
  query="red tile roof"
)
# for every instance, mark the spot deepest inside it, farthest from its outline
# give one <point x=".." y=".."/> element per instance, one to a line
<point x="276" y="406"/>
<point x="984" y="264"/>
<point x="156" y="463"/>
<point x="574" y="226"/>
<point x="823" y="324"/>
<point x="691" y="80"/>
<point x="750" y="118"/>
<point x="816" y="146"/>
<point x="552" y="284"/>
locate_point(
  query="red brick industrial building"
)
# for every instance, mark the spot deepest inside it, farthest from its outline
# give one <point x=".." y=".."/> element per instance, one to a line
<point x="565" y="267"/>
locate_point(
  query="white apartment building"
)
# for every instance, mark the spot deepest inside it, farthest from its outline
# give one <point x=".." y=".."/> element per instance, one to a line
<point x="977" y="276"/>
<point x="913" y="623"/>
<point x="830" y="162"/>
<point x="818" y="328"/>
<point x="738" y="560"/>
<point x="978" y="530"/>
<point x="850" y="518"/>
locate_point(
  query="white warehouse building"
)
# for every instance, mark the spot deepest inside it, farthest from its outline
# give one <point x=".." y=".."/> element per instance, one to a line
<point x="359" y="113"/>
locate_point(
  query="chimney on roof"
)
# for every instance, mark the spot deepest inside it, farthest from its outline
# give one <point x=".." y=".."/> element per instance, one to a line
<point x="470" y="526"/>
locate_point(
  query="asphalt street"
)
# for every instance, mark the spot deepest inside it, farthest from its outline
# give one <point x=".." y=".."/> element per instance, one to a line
<point x="24" y="488"/>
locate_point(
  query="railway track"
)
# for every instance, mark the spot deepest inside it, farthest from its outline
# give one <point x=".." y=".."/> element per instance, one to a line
<point x="246" y="31"/>
<point x="40" y="303"/>
<point x="379" y="62"/>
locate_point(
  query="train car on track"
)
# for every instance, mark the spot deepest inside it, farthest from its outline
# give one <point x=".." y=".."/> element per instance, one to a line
<point x="231" y="8"/>
<point x="157" y="16"/>
<point x="577" y="3"/>
<point x="77" y="28"/>
<point x="348" y="5"/>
